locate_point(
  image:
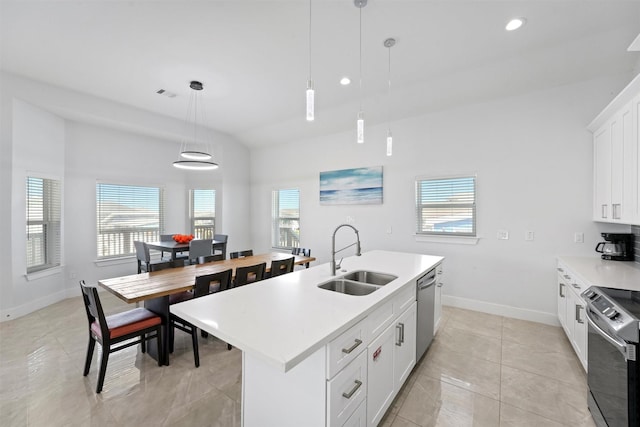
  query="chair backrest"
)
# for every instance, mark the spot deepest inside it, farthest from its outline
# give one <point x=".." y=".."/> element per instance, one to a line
<point x="249" y="274"/>
<point x="240" y="254"/>
<point x="210" y="258"/>
<point x="93" y="307"/>
<point x="221" y="237"/>
<point x="167" y="264"/>
<point x="210" y="283"/>
<point x="166" y="237"/>
<point x="301" y="251"/>
<point x="282" y="267"/>
<point x="200" y="247"/>
<point x="142" y="251"/>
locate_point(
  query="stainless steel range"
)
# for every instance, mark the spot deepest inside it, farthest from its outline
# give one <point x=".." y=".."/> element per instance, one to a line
<point x="613" y="370"/>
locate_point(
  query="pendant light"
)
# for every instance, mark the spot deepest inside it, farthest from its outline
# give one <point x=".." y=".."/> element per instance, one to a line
<point x="389" y="43"/>
<point x="195" y="160"/>
<point x="360" y="120"/>
<point x="310" y="91"/>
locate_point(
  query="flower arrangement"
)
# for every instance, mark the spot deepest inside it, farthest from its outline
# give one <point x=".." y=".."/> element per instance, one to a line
<point x="183" y="238"/>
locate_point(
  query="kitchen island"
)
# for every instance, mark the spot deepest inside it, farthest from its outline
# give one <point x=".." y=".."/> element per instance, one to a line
<point x="289" y="329"/>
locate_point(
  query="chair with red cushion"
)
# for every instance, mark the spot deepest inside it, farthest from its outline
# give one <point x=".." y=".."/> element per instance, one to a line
<point x="115" y="329"/>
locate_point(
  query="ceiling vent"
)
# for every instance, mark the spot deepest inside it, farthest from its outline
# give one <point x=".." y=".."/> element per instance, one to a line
<point x="166" y="93"/>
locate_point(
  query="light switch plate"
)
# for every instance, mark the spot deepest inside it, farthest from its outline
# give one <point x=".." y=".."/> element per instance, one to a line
<point x="578" y="237"/>
<point x="529" y="236"/>
<point x="503" y="235"/>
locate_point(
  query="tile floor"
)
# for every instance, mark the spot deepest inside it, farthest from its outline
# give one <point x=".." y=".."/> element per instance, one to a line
<point x="481" y="370"/>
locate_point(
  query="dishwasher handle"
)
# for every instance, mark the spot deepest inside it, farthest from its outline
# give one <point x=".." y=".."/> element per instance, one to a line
<point x="422" y="286"/>
<point x="431" y="276"/>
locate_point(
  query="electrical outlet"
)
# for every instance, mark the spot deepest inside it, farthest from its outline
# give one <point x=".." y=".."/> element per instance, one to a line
<point x="578" y="237"/>
<point x="529" y="236"/>
<point x="350" y="219"/>
<point x="389" y="230"/>
<point x="503" y="235"/>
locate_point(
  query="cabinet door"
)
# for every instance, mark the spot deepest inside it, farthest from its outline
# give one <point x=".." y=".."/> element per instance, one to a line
<point x="632" y="167"/>
<point x="380" y="380"/>
<point x="562" y="301"/>
<point x="580" y="330"/>
<point x="359" y="417"/>
<point x="405" y="346"/>
<point x="602" y="173"/>
<point x="623" y="167"/>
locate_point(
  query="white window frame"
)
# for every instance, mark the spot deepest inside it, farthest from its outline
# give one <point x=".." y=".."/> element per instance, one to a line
<point x="52" y="223"/>
<point x="446" y="236"/>
<point x="125" y="241"/>
<point x="276" y="218"/>
<point x="201" y="232"/>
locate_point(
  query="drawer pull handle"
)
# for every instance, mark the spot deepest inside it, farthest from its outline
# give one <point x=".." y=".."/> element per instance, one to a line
<point x="399" y="329"/>
<point x="353" y="390"/>
<point x="353" y="347"/>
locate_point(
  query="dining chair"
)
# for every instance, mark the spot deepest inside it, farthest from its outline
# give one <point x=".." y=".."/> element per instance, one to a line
<point x="249" y="274"/>
<point x="283" y="266"/>
<point x="144" y="258"/>
<point x="118" y="328"/>
<point x="302" y="252"/>
<point x="222" y="247"/>
<point x="241" y="254"/>
<point x="198" y="248"/>
<point x="209" y="258"/>
<point x="204" y="285"/>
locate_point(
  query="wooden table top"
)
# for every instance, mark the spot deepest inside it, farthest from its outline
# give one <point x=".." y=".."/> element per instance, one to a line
<point x="140" y="287"/>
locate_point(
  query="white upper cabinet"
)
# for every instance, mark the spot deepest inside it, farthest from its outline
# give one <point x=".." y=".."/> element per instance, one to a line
<point x="616" y="135"/>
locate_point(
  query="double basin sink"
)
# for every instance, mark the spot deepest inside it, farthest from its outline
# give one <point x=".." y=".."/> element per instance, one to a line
<point x="359" y="282"/>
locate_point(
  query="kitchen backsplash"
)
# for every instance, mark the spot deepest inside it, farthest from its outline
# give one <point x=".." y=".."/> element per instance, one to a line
<point x="635" y="229"/>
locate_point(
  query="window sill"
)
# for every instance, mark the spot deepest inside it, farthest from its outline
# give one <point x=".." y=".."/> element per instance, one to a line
<point x="43" y="273"/>
<point x="456" y="240"/>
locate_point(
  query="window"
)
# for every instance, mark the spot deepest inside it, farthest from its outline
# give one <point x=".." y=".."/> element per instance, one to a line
<point x="202" y="212"/>
<point x="43" y="223"/>
<point x="285" y="218"/>
<point x="126" y="213"/>
<point x="446" y="206"/>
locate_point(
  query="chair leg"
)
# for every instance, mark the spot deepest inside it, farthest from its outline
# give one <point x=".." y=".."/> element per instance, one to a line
<point x="171" y="338"/>
<point x="87" y="363"/>
<point x="103" y="367"/>
<point x="229" y="346"/>
<point x="194" y="339"/>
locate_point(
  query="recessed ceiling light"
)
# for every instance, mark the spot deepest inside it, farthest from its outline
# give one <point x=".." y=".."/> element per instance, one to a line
<point x="345" y="81"/>
<point x="515" y="23"/>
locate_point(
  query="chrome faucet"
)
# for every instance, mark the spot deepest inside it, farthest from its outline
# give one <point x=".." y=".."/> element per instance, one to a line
<point x="333" y="247"/>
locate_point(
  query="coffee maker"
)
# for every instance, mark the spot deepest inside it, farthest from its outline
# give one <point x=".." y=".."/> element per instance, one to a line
<point x="617" y="246"/>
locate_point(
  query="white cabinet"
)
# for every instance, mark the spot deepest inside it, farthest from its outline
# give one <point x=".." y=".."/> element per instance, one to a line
<point x="571" y="311"/>
<point x="391" y="358"/>
<point x="437" y="306"/>
<point x="347" y="391"/>
<point x="616" y="159"/>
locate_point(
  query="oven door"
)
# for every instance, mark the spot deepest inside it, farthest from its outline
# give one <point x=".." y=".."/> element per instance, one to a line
<point x="608" y="375"/>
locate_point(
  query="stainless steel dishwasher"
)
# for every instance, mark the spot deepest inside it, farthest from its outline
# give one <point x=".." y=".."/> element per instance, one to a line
<point x="426" y="291"/>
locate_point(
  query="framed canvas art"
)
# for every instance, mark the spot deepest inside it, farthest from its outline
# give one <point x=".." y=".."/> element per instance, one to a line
<point x="360" y="186"/>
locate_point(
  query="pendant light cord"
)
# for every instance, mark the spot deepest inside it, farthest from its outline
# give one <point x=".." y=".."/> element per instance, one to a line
<point x="360" y="51"/>
<point x="309" y="39"/>
<point x="389" y="93"/>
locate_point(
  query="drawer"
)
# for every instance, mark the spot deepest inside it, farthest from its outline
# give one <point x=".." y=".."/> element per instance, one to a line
<point x="406" y="297"/>
<point x="345" y="348"/>
<point x="358" y="418"/>
<point x="347" y="391"/>
<point x="380" y="318"/>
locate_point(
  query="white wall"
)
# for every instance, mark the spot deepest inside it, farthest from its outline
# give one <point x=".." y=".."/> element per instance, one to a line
<point x="533" y="159"/>
<point x="83" y="139"/>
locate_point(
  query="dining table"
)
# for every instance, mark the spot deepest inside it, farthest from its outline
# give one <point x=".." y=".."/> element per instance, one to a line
<point x="174" y="247"/>
<point x="154" y="288"/>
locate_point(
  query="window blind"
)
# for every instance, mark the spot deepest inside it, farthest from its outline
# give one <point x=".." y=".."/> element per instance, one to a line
<point x="44" y="201"/>
<point x="285" y="218"/>
<point x="126" y="213"/>
<point x="446" y="206"/>
<point x="202" y="212"/>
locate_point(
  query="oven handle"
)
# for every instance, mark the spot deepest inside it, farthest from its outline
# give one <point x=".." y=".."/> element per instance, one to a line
<point x="620" y="345"/>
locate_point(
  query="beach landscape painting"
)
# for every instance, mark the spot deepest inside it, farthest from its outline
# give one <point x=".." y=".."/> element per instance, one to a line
<point x="359" y="186"/>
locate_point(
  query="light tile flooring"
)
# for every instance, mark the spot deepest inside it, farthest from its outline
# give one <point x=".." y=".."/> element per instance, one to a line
<point x="481" y="370"/>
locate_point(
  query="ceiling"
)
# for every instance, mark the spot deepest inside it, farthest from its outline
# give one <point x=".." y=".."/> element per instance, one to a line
<point x="253" y="56"/>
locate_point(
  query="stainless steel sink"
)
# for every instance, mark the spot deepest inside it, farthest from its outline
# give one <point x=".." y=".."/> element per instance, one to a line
<point x="348" y="287"/>
<point x="370" y="277"/>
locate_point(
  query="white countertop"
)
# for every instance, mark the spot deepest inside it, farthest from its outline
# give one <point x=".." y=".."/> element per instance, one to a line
<point x="285" y="319"/>
<point x="595" y="271"/>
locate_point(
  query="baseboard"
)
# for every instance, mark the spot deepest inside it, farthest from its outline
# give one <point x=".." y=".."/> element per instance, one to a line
<point x="31" y="306"/>
<point x="501" y="310"/>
